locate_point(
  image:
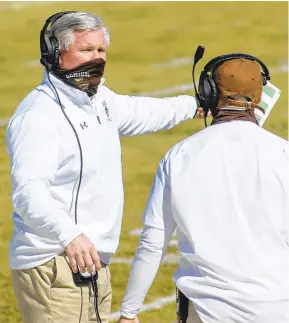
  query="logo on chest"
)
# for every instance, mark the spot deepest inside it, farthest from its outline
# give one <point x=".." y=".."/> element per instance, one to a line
<point x="107" y="112"/>
<point x="83" y="125"/>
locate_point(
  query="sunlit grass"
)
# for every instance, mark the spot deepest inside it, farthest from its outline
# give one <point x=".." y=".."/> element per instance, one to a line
<point x="141" y="34"/>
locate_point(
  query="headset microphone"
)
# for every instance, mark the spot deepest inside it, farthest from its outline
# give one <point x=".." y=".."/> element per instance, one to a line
<point x="198" y="55"/>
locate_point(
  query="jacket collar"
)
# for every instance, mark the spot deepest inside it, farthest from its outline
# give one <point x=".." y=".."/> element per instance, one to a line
<point x="74" y="95"/>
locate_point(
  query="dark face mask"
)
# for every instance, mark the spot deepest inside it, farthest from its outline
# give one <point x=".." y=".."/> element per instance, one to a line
<point x="85" y="77"/>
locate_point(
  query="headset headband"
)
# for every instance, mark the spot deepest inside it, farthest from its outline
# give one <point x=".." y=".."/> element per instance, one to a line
<point x="213" y="64"/>
<point x="53" y="18"/>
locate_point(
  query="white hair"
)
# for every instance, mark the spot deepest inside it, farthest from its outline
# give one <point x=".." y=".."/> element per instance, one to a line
<point x="64" y="27"/>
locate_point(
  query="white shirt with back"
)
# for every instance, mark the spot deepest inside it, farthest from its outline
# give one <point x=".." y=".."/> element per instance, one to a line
<point x="45" y="165"/>
<point x="226" y="191"/>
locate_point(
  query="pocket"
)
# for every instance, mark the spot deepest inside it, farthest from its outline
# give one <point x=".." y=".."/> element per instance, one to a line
<point x="103" y="276"/>
<point x="48" y="271"/>
<point x="108" y="275"/>
<point x="64" y="273"/>
<point x="193" y="314"/>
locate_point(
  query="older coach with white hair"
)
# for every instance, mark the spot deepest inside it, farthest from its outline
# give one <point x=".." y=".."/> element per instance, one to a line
<point x="64" y="146"/>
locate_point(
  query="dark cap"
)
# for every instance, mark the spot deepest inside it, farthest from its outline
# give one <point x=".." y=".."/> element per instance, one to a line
<point x="239" y="76"/>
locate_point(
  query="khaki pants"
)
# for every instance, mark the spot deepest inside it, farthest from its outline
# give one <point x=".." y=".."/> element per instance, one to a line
<point x="47" y="294"/>
<point x="193" y="316"/>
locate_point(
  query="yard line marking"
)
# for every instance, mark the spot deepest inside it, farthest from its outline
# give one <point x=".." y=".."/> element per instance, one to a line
<point x="170" y="258"/>
<point x="168" y="91"/>
<point x="32" y="63"/>
<point x="180" y="61"/>
<point x="138" y="231"/>
<point x="3" y="122"/>
<point x="175" y="62"/>
<point x="159" y="303"/>
<point x="135" y="232"/>
<point x="18" y="5"/>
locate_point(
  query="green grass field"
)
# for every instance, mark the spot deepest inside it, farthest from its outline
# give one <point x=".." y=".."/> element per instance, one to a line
<point x="142" y="34"/>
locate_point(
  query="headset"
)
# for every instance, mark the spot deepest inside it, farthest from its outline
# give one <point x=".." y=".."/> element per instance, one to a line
<point x="208" y="93"/>
<point x="49" y="45"/>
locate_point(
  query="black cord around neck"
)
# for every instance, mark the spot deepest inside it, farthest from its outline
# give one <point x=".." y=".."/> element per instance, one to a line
<point x="78" y="143"/>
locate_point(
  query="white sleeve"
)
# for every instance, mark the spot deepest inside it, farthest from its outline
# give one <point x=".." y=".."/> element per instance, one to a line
<point x="34" y="150"/>
<point x="141" y="115"/>
<point x="158" y="230"/>
<point x="158" y="212"/>
<point x="147" y="260"/>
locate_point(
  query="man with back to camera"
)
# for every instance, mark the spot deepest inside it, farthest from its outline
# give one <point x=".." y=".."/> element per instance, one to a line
<point x="231" y="216"/>
<point x="64" y="147"/>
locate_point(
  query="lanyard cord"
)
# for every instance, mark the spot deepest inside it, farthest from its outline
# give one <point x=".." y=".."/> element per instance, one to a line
<point x="95" y="294"/>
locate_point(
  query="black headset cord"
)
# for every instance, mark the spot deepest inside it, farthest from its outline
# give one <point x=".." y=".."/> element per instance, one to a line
<point x="95" y="293"/>
<point x="95" y="276"/>
<point x="78" y="143"/>
<point x="205" y="118"/>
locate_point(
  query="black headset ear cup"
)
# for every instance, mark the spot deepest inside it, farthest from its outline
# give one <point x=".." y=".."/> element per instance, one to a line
<point x="209" y="92"/>
<point x="201" y="90"/>
<point x="45" y="47"/>
<point x="55" y="51"/>
<point x="49" y="47"/>
<point x="214" y="93"/>
<point x="264" y="78"/>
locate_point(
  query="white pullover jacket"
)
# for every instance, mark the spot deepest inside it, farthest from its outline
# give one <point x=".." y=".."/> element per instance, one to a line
<point x="226" y="192"/>
<point x="45" y="165"/>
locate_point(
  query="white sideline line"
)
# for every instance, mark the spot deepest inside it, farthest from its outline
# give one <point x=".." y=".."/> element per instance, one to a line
<point x="189" y="61"/>
<point x="170" y="258"/>
<point x="135" y="232"/>
<point x="159" y="303"/>
<point x="173" y="89"/>
<point x="138" y="231"/>
<point x="32" y="63"/>
<point x="281" y="69"/>
<point x="168" y="91"/>
<point x="18" y="5"/>
<point x="3" y="122"/>
<point x="175" y="62"/>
